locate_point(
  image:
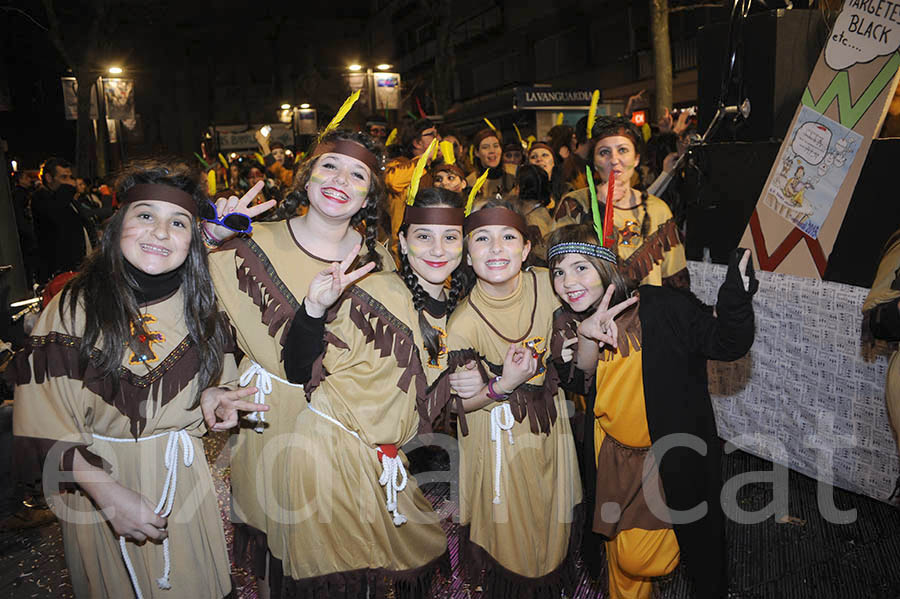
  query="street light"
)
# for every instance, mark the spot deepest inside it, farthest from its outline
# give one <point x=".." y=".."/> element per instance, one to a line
<point x="384" y="67"/>
<point x="285" y="106"/>
<point x="304" y="105"/>
<point x="115" y="70"/>
<point x="355" y="67"/>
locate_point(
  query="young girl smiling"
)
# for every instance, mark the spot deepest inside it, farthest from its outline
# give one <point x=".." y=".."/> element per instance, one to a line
<point x="649" y="354"/>
<point x="518" y="471"/>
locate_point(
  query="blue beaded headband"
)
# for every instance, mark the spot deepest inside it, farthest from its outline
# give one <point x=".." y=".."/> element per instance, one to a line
<point x="578" y="247"/>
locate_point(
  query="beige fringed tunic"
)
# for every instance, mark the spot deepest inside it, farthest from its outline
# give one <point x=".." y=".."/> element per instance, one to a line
<point x="126" y="432"/>
<point x="260" y="282"/>
<point x="658" y="258"/>
<point x="368" y="389"/>
<point x="526" y="529"/>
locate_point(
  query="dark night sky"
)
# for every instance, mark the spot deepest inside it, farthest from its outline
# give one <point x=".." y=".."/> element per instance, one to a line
<point x="189" y="60"/>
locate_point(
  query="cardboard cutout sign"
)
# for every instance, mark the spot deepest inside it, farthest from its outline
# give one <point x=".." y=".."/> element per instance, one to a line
<point x="802" y="206"/>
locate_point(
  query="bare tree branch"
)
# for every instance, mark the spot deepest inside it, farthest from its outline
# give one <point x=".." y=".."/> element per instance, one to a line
<point x="693" y="7"/>
<point x="55" y="34"/>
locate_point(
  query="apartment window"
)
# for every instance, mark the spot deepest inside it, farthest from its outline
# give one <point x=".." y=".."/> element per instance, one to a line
<point x="560" y="53"/>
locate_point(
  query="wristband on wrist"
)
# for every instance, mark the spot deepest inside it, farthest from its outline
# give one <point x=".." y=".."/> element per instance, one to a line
<point x="208" y="239"/>
<point x="492" y="393"/>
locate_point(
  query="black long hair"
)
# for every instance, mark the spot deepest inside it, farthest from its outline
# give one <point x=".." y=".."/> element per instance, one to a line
<point x="433" y="196"/>
<point x="107" y="291"/>
<point x="533" y="184"/>
<point x="374" y="204"/>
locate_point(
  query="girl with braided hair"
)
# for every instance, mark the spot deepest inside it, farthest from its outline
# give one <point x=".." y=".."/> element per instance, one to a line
<point x="260" y="281"/>
<point x="369" y="356"/>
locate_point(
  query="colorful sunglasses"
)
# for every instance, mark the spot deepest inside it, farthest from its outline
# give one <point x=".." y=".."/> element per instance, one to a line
<point x="233" y="221"/>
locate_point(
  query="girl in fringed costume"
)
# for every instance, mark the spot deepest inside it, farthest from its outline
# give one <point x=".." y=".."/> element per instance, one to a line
<point x="648" y="244"/>
<point x="519" y="483"/>
<point x="487" y="151"/>
<point x="110" y="383"/>
<point x="370" y="392"/>
<point x="260" y="282"/>
<point x="649" y="354"/>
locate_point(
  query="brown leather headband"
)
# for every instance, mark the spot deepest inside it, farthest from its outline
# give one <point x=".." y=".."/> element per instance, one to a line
<point x="434" y="215"/>
<point x="495" y="216"/>
<point x="162" y="193"/>
<point x="351" y="149"/>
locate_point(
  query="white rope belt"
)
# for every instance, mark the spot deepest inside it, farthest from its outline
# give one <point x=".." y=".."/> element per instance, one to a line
<point x="263" y="386"/>
<point x="164" y="507"/>
<point x="393" y="475"/>
<point x="501" y="420"/>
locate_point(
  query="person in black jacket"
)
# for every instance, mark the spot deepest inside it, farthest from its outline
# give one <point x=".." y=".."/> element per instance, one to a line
<point x="655" y="446"/>
<point x="59" y="229"/>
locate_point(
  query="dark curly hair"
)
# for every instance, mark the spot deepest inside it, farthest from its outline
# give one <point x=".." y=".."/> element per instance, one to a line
<point x="606" y="126"/>
<point x="374" y="204"/>
<point x="107" y="291"/>
<point x="433" y="196"/>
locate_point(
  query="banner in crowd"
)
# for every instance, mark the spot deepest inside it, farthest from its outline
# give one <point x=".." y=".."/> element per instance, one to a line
<point x="803" y="203"/>
<point x="243" y="137"/>
<point x="805" y="397"/>
<point x="119" y="94"/>
<point x="387" y="91"/>
<point x="70" y="99"/>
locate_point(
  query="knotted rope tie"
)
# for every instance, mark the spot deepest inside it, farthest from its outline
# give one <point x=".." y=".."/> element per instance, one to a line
<point x="393" y="478"/>
<point x="393" y="475"/>
<point x="166" y="500"/>
<point x="263" y="386"/>
<point x="501" y="420"/>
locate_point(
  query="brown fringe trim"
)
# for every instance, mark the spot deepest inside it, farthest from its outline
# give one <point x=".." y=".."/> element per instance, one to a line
<point x="479" y="568"/>
<point x="32" y="452"/>
<point x="388" y="335"/>
<point x="533" y="401"/>
<point x="56" y="355"/>
<point x="441" y="402"/>
<point x="565" y="327"/>
<point x="641" y="262"/>
<point x="257" y="278"/>
<point x="250" y="549"/>
<point x="569" y="208"/>
<point x="629" y="337"/>
<point x="679" y="280"/>
<point x="406" y="584"/>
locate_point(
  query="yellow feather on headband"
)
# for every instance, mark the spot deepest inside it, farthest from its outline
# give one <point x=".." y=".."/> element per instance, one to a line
<point x="391" y="137"/>
<point x="559" y="118"/>
<point x="222" y="160"/>
<point x="418" y="172"/>
<point x="448" y="153"/>
<point x="592" y="113"/>
<point x="341" y="113"/>
<point x="519" y="135"/>
<point x="490" y="124"/>
<point x="479" y="182"/>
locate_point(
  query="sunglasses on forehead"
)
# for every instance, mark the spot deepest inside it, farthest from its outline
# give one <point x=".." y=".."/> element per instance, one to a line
<point x="233" y="221"/>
